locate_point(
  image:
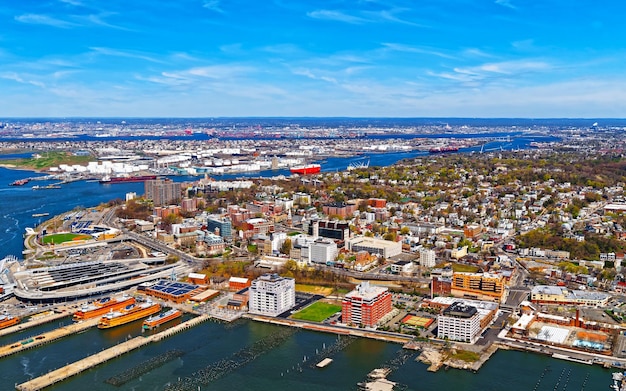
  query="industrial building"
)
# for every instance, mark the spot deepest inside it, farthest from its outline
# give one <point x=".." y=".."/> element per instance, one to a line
<point x="549" y="294"/>
<point x="365" y="305"/>
<point x="271" y="295"/>
<point x="384" y="248"/>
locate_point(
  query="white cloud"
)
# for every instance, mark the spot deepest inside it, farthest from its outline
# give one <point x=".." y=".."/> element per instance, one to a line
<point x="122" y="53"/>
<point x="308" y="73"/>
<point x="20" y="79"/>
<point x="506" y="3"/>
<point x="213" y="5"/>
<point x="75" y="3"/>
<point x="44" y="20"/>
<point x="337" y="16"/>
<point x="398" y="47"/>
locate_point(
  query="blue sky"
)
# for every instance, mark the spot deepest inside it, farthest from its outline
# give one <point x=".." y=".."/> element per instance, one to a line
<point x="399" y="58"/>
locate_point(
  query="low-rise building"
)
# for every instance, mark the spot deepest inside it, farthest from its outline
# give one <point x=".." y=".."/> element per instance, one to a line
<point x="550" y="294"/>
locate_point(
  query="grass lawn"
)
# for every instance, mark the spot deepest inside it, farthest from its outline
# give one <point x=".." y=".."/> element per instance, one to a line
<point x="315" y="289"/>
<point x="461" y="268"/>
<point x="466" y="355"/>
<point x="48" y="159"/>
<point x="64" y="237"/>
<point x="317" y="312"/>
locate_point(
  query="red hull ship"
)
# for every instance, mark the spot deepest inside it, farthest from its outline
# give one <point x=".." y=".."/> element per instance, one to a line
<point x="308" y="169"/>
<point x="443" y="149"/>
<point x="124" y="179"/>
<point x="19" y="182"/>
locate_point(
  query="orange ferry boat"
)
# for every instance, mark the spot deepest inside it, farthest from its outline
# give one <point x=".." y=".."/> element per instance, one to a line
<point x="101" y="307"/>
<point x="8" y="320"/>
<point x="157" y="320"/>
<point x="128" y="314"/>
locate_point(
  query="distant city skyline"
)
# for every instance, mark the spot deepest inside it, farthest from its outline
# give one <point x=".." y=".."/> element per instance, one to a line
<point x="333" y="58"/>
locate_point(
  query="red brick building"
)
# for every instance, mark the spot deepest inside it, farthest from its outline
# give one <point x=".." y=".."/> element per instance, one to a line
<point x="238" y="283"/>
<point x="365" y="305"/>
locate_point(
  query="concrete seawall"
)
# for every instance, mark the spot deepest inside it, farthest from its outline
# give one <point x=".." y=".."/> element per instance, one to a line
<point x="333" y="329"/>
<point x="77" y="367"/>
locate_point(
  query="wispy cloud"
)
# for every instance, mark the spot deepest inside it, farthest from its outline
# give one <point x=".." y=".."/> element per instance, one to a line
<point x="506" y="3"/>
<point x="474" y="76"/>
<point x="127" y="54"/>
<point x="213" y="5"/>
<point x="363" y="16"/>
<point x="44" y="20"/>
<point x="21" y="79"/>
<point x="75" y="3"/>
<point x="398" y="47"/>
<point x="475" y="52"/>
<point x="337" y="16"/>
<point x="72" y="21"/>
<point x="195" y="75"/>
<point x="308" y="73"/>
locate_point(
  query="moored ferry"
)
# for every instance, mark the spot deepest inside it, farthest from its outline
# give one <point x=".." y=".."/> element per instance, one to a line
<point x="128" y="314"/>
<point x="157" y="320"/>
<point x="8" y="320"/>
<point x="101" y="307"/>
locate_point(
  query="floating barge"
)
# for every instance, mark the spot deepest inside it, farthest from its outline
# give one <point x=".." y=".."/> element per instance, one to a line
<point x="325" y="362"/>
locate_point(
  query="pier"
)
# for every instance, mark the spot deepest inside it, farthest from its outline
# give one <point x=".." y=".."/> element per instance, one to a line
<point x="79" y="366"/>
<point x="33" y="342"/>
<point x="35" y="320"/>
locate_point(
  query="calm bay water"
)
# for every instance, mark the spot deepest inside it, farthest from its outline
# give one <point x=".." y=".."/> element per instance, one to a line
<point x="210" y="342"/>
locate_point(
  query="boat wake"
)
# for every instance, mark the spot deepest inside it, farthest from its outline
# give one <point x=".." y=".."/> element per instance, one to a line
<point x="26" y="367"/>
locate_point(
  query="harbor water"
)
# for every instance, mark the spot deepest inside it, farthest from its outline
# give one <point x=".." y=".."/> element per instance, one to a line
<point x="217" y="356"/>
<point x="284" y="360"/>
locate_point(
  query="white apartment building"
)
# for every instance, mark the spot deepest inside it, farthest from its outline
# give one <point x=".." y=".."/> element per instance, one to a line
<point x="459" y="322"/>
<point x="271" y="295"/>
<point x="322" y="251"/>
<point x="427" y="258"/>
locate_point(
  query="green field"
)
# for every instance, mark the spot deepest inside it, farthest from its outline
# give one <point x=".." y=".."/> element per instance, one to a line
<point x="64" y="237"/>
<point x="317" y="312"/>
<point x="462" y="268"/>
<point x="47" y="160"/>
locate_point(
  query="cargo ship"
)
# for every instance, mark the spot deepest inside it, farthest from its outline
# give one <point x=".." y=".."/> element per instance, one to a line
<point x="19" y="182"/>
<point x="124" y="179"/>
<point x="444" y="149"/>
<point x="8" y="320"/>
<point x="306" y="169"/>
<point x="101" y="307"/>
<point x="128" y="314"/>
<point x="157" y="320"/>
